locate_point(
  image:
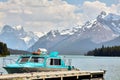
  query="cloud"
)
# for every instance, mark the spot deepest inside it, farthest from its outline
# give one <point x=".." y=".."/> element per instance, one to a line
<point x="39" y="26"/>
<point x="116" y="8"/>
<point x="92" y="9"/>
<point x="44" y="15"/>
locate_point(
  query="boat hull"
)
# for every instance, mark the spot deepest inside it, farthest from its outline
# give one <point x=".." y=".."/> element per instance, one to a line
<point x="27" y="70"/>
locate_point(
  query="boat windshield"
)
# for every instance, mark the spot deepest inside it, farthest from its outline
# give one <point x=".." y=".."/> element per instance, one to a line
<point x="23" y="59"/>
<point x="37" y="59"/>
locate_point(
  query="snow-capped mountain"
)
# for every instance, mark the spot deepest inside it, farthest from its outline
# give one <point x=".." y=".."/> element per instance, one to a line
<point x="49" y="40"/>
<point x="82" y="38"/>
<point x="17" y="38"/>
<point x="98" y="30"/>
<point x="111" y="20"/>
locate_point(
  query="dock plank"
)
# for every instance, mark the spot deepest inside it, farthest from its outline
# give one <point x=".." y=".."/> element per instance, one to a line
<point x="56" y="74"/>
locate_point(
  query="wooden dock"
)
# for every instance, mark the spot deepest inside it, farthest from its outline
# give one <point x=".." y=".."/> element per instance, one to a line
<point x="58" y="75"/>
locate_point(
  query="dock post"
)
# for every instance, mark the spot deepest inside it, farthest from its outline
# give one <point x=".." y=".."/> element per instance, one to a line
<point x="43" y="77"/>
<point x="61" y="77"/>
<point x="77" y="77"/>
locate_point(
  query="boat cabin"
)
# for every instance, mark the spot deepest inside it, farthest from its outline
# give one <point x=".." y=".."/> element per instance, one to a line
<point x="46" y="61"/>
<point x="37" y="63"/>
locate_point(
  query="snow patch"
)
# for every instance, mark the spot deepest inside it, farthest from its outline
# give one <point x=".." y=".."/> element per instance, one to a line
<point x="26" y="39"/>
<point x="19" y="27"/>
<point x="91" y="23"/>
<point x="115" y="35"/>
<point x="39" y="34"/>
<point x="66" y="31"/>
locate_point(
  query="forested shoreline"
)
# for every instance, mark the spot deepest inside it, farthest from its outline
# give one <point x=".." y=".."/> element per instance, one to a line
<point x="105" y="51"/>
<point x="3" y="49"/>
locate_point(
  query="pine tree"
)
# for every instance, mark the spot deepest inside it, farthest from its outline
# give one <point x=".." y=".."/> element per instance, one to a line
<point x="105" y="51"/>
<point x="3" y="49"/>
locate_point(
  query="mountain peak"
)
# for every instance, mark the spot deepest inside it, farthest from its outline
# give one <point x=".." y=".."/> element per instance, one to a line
<point x="11" y="35"/>
<point x="53" y="33"/>
<point x="7" y="28"/>
<point x="19" y="27"/>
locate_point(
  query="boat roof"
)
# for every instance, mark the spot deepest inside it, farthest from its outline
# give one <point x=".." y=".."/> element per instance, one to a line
<point x="51" y="55"/>
<point x="42" y="49"/>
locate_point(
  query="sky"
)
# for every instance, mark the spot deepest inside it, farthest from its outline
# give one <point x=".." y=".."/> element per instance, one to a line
<point x="46" y="15"/>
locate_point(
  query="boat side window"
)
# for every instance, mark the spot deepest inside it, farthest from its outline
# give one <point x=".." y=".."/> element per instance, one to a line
<point x="55" y="61"/>
<point x="23" y="59"/>
<point x="37" y="59"/>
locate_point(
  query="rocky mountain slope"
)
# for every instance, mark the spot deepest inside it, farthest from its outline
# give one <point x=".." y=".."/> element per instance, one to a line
<point x="79" y="40"/>
<point x="17" y="38"/>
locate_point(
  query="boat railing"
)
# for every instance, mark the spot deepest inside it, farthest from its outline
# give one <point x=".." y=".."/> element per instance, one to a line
<point x="7" y="61"/>
<point x="68" y="62"/>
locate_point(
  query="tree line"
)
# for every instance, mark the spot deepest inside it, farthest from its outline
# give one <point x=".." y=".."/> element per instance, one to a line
<point x="3" y="49"/>
<point x="18" y="52"/>
<point x="105" y="51"/>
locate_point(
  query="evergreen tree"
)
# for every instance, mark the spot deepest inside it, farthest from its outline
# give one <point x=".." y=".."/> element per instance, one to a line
<point x="105" y="51"/>
<point x="3" y="49"/>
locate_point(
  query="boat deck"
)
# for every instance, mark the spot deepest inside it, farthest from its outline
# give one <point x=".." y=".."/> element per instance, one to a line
<point x="58" y="75"/>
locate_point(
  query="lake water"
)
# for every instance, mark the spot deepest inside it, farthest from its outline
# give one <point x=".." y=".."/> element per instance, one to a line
<point x="110" y="64"/>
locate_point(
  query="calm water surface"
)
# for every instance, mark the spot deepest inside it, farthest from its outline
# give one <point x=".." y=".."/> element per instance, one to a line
<point x="111" y="64"/>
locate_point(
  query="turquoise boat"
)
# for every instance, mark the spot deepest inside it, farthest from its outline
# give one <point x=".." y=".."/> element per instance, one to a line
<point x="37" y="63"/>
